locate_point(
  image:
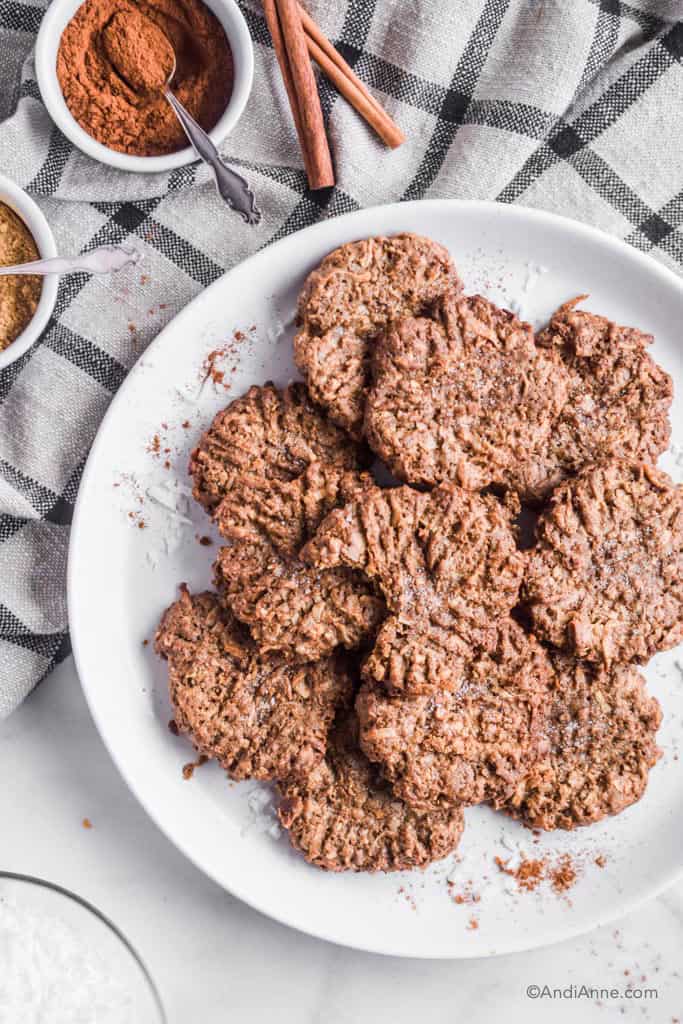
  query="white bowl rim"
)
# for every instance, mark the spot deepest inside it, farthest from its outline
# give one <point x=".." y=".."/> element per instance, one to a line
<point x="56" y="17"/>
<point x="34" y="219"/>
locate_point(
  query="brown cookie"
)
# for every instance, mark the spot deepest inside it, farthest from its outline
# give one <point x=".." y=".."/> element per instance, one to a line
<point x="601" y="736"/>
<point x="260" y="716"/>
<point x="284" y="515"/>
<point x="354" y="294"/>
<point x="289" y="606"/>
<point x="447" y="564"/>
<point x="266" y="435"/>
<point x="267" y="506"/>
<point x="344" y="817"/>
<point x="463" y="395"/>
<point x="618" y="401"/>
<point x="605" y="580"/>
<point x="470" y="743"/>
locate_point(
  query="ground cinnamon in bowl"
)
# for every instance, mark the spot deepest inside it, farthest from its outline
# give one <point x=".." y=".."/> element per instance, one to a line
<point x="115" y="57"/>
<point x="139" y="51"/>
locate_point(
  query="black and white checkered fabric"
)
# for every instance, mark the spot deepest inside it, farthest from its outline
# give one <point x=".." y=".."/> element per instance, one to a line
<point x="569" y="105"/>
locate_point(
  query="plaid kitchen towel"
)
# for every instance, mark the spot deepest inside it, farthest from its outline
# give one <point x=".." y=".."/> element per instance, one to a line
<point x="572" y="106"/>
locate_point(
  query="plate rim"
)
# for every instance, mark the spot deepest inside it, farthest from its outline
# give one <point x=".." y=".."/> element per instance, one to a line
<point x="560" y="934"/>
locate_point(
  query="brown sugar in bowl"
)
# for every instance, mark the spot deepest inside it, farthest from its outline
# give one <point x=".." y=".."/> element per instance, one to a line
<point x="33" y="219"/>
<point x="121" y="150"/>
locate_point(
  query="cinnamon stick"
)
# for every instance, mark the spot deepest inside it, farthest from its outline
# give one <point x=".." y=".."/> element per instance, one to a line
<point x="314" y="144"/>
<point x="348" y="83"/>
<point x="315" y="33"/>
<point x="273" y="22"/>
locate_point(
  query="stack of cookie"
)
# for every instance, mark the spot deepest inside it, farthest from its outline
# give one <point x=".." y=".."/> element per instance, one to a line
<point x="390" y="655"/>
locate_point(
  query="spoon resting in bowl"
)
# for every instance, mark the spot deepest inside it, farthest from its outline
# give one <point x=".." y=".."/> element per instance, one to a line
<point x="107" y="259"/>
<point x="143" y="55"/>
<point x="231" y="186"/>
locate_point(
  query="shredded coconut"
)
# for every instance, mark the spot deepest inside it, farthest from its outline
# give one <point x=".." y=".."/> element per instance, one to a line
<point x="172" y="497"/>
<point x="52" y="975"/>
<point x="262" y="813"/>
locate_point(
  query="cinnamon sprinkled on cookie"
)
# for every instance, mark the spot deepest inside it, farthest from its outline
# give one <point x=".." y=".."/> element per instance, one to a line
<point x="617" y="404"/>
<point x="606" y="578"/>
<point x="464" y="395"/>
<point x="600" y="747"/>
<point x="344" y="817"/>
<point x="354" y="294"/>
<point x="447" y="564"/>
<point x="258" y="715"/>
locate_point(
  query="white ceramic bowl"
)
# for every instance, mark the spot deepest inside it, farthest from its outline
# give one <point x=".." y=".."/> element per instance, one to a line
<point x="22" y="204"/>
<point x="57" y="16"/>
<point x="510" y="254"/>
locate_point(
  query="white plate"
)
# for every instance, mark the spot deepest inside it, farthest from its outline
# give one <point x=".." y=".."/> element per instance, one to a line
<point x="121" y="577"/>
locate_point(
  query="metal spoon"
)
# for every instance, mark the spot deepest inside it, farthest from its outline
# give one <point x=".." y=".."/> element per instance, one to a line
<point x="107" y="259"/>
<point x="231" y="186"/>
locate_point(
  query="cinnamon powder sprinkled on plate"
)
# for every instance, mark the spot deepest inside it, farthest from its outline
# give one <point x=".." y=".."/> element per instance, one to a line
<point x="528" y="874"/>
<point x="563" y="876"/>
<point x="214" y="366"/>
<point x="465" y="895"/>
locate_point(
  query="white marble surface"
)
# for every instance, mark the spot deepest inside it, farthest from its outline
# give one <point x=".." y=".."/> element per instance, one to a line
<point x="215" y="960"/>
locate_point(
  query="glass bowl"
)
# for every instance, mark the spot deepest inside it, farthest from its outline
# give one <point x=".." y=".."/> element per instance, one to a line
<point x="63" y="962"/>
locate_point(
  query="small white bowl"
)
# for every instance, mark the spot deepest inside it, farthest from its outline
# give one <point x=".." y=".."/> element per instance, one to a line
<point x="24" y="207"/>
<point x="60" y="13"/>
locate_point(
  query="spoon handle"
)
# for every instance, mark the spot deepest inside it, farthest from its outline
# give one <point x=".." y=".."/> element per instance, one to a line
<point x="231" y="186"/>
<point x="107" y="259"/>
